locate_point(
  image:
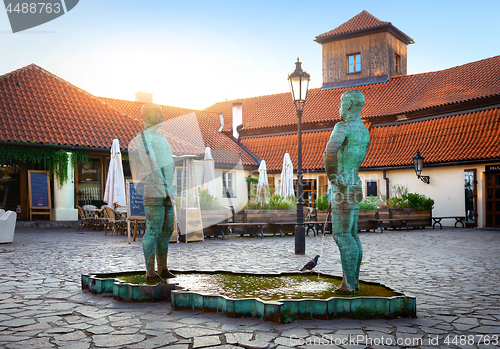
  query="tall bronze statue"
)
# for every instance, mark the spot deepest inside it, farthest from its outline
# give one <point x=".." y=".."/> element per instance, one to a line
<point x="156" y="156"/>
<point x="343" y="156"/>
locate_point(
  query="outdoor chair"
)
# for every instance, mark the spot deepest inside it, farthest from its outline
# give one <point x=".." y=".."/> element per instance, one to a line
<point x="7" y="226"/>
<point x="85" y="219"/>
<point x="114" y="221"/>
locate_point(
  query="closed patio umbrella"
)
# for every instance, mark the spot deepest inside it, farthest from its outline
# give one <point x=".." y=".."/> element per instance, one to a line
<point x="263" y="185"/>
<point x="209" y="173"/>
<point x="286" y="187"/>
<point x="115" y="183"/>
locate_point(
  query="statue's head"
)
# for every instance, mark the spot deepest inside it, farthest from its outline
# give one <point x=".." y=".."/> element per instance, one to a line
<point x="351" y="103"/>
<point x="152" y="115"/>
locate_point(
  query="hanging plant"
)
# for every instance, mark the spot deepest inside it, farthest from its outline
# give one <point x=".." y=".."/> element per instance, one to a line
<point x="52" y="160"/>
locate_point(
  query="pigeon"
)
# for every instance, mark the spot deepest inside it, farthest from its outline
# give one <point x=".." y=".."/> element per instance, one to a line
<point x="311" y="264"/>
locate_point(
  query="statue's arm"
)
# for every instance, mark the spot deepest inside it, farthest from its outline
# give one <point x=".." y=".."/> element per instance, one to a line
<point x="330" y="158"/>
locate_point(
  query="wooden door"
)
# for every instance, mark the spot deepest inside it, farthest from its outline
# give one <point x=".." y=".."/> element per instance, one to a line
<point x="493" y="199"/>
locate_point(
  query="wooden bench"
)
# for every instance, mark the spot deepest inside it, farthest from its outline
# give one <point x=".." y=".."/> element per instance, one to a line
<point x="379" y="222"/>
<point x="227" y="226"/>
<point x="458" y="219"/>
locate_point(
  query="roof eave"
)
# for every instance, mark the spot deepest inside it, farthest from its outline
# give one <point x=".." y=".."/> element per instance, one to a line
<point x="385" y="27"/>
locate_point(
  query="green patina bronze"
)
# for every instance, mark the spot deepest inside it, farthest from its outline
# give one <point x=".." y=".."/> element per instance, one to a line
<point x="156" y="156"/>
<point x="342" y="158"/>
<point x="271" y="297"/>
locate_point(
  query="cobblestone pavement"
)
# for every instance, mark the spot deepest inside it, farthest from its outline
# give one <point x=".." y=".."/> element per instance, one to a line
<point x="454" y="273"/>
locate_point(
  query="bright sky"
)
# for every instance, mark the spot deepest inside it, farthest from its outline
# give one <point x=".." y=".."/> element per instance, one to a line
<point x="196" y="53"/>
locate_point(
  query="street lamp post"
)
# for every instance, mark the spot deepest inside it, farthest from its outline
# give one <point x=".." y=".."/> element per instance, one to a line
<point x="299" y="82"/>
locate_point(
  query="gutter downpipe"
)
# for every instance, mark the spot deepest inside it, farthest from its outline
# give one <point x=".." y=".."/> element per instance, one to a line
<point x="384" y="172"/>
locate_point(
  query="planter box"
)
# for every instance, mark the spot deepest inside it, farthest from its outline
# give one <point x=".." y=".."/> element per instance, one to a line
<point x="416" y="219"/>
<point x="365" y="219"/>
<point x="210" y="218"/>
<point x="273" y="216"/>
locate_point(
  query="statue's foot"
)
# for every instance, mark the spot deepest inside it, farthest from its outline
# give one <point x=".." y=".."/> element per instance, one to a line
<point x="166" y="274"/>
<point x="344" y="288"/>
<point x="155" y="277"/>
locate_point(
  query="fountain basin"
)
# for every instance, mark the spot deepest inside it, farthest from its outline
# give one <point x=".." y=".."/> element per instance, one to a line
<point x="112" y="285"/>
<point x="270" y="297"/>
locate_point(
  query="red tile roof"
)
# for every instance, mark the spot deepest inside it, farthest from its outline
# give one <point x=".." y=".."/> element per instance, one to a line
<point x="39" y="107"/>
<point x="363" y="20"/>
<point x="400" y="95"/>
<point x="273" y="149"/>
<point x="359" y="24"/>
<point x="470" y="136"/>
<point x="194" y="127"/>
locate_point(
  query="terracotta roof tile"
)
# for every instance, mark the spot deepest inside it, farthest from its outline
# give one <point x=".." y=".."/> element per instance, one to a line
<point x="199" y="128"/>
<point x="470" y="136"/>
<point x="400" y="95"/>
<point x="363" y="20"/>
<point x="37" y="103"/>
<point x="41" y="108"/>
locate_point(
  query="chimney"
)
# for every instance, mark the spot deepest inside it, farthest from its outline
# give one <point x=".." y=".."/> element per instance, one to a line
<point x="237" y="118"/>
<point x="145" y="97"/>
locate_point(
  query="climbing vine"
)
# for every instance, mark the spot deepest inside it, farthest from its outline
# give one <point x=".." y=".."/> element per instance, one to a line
<point x="52" y="160"/>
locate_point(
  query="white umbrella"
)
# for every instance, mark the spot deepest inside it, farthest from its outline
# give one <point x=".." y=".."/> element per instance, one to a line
<point x="263" y="185"/>
<point x="115" y="183"/>
<point x="286" y="187"/>
<point x="209" y="173"/>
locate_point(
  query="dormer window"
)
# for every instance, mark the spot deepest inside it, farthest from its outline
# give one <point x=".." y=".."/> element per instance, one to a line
<point x="397" y="64"/>
<point x="354" y="63"/>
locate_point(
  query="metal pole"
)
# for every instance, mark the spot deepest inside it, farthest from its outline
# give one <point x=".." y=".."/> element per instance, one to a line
<point x="300" y="234"/>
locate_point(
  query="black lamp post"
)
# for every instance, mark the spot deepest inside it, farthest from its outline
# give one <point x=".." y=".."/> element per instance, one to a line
<point x="418" y="164"/>
<point x="299" y="82"/>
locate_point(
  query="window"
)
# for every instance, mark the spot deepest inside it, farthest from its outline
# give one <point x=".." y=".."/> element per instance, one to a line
<point x="228" y="184"/>
<point x="354" y="63"/>
<point x="371" y="188"/>
<point x="397" y="64"/>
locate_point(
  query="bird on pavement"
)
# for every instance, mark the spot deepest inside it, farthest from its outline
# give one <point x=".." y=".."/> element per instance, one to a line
<point x="311" y="264"/>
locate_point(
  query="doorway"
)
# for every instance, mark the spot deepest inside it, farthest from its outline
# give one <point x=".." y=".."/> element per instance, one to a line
<point x="492" y="199"/>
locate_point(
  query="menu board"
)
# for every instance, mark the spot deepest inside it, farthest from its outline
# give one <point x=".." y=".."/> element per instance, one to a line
<point x="39" y="189"/>
<point x="135" y="199"/>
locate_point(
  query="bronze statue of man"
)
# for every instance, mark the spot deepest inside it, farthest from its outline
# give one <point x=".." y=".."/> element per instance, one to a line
<point x="156" y="156"/>
<point x="342" y="158"/>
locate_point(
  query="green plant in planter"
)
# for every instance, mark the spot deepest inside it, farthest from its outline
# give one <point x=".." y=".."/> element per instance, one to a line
<point x="276" y="202"/>
<point x="322" y="203"/>
<point x="420" y="202"/>
<point x="371" y="203"/>
<point x="207" y="201"/>
<point x="400" y="197"/>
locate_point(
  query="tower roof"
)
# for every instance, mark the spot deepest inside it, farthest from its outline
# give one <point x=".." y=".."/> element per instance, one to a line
<point x="361" y="24"/>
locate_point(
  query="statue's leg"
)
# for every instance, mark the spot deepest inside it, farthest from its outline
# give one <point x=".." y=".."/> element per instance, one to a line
<point x="154" y="222"/>
<point x="354" y="233"/>
<point x="342" y="221"/>
<point x="163" y="241"/>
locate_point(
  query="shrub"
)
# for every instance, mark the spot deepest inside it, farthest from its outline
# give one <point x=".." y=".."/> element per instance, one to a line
<point x="400" y="197"/>
<point x="276" y="202"/>
<point x="420" y="202"/>
<point x="322" y="203"/>
<point x="207" y="201"/>
<point x="371" y="203"/>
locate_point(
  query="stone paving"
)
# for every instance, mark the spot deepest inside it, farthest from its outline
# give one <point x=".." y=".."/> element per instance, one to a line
<point x="454" y="273"/>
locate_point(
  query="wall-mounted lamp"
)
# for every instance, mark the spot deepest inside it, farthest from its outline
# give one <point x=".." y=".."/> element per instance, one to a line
<point x="418" y="164"/>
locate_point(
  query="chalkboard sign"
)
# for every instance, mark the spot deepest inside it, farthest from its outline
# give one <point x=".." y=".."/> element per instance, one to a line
<point x="135" y="199"/>
<point x="39" y="189"/>
<point x="39" y="193"/>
